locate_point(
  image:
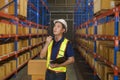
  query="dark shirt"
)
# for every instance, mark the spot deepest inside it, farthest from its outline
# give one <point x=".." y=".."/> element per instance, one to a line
<point x="56" y="45"/>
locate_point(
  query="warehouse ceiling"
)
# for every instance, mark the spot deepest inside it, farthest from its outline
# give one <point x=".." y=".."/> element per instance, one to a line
<point x="62" y="9"/>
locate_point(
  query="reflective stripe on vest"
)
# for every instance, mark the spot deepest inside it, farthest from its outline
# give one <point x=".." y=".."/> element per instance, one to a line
<point x="60" y="54"/>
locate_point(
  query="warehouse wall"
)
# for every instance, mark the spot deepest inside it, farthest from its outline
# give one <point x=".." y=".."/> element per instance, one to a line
<point x="62" y="9"/>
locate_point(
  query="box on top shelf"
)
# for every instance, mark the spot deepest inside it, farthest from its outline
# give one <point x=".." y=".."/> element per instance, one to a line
<point x="22" y="7"/>
<point x="101" y="6"/>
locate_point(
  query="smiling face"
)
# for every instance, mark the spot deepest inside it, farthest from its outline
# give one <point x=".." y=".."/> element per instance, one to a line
<point x="58" y="29"/>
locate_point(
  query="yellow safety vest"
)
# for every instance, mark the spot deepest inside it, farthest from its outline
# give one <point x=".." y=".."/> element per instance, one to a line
<point x="60" y="54"/>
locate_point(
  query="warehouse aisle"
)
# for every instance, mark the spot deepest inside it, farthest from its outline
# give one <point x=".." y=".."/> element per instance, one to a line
<point x="83" y="70"/>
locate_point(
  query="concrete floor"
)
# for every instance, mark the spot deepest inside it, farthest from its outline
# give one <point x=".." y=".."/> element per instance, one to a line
<point x="77" y="71"/>
<point x="83" y="70"/>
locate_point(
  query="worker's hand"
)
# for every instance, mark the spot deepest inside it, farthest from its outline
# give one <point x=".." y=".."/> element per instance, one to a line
<point x="48" y="39"/>
<point x="54" y="65"/>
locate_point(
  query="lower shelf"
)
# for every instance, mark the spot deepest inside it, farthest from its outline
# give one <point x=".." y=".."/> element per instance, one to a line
<point x="19" y="67"/>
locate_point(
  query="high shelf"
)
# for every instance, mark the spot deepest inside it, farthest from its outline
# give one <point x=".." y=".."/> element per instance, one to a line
<point x="98" y="40"/>
<point x="21" y="35"/>
<point x="83" y="11"/>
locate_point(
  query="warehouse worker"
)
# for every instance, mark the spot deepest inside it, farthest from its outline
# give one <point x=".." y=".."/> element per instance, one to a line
<point x="56" y="47"/>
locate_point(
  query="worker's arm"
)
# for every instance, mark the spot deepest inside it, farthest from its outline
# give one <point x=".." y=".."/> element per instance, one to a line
<point x="67" y="62"/>
<point x="45" y="48"/>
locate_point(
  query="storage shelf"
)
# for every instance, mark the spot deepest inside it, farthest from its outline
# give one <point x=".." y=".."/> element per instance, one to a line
<point x="40" y="9"/>
<point x="7" y="16"/>
<point x="18" y="52"/>
<point x="99" y="37"/>
<point x="17" y="36"/>
<point x="94" y="34"/>
<point x="107" y="13"/>
<point x="19" y="67"/>
<point x="99" y="57"/>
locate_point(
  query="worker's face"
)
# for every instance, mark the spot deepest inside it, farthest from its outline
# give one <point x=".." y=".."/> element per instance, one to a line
<point x="58" y="29"/>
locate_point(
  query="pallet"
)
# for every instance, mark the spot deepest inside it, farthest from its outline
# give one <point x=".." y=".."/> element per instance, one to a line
<point x="100" y="12"/>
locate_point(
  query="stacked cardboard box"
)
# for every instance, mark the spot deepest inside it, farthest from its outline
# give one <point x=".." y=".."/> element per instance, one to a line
<point x="7" y="68"/>
<point x="13" y="64"/>
<point x="13" y="29"/>
<point x="21" y="10"/>
<point x="91" y="30"/>
<point x="101" y="5"/>
<point x="106" y="29"/>
<point x="34" y="41"/>
<point x="34" y="30"/>
<point x="2" y="50"/>
<point x="2" y="70"/>
<point x="111" y="56"/>
<point x="22" y="44"/>
<point x="39" y="31"/>
<point x="103" y="70"/>
<point x="45" y="31"/>
<point x="90" y="59"/>
<point x="2" y="27"/>
<point x="6" y="48"/>
<point x="104" y="5"/>
<point x="83" y="31"/>
<point x="20" y="29"/>
<point x="37" y="69"/>
<point x="106" y="50"/>
<point x="25" y="30"/>
<point x="34" y="52"/>
<point x="23" y="58"/>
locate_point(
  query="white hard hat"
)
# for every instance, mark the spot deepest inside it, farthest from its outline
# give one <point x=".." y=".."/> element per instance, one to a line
<point x="63" y="22"/>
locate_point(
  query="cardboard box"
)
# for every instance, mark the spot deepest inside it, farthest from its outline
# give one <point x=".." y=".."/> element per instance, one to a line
<point x="40" y="31"/>
<point x="2" y="27"/>
<point x="118" y="59"/>
<point x="2" y="72"/>
<point x="101" y="5"/>
<point x="13" y="29"/>
<point x="22" y="7"/>
<point x="7" y="68"/>
<point x="1" y="50"/>
<point x="13" y="63"/>
<point x="2" y="3"/>
<point x="38" y="77"/>
<point x="37" y="67"/>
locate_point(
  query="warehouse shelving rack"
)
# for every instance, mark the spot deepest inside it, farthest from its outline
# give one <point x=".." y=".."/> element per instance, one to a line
<point x="103" y="18"/>
<point x="33" y="20"/>
<point x="83" y="11"/>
